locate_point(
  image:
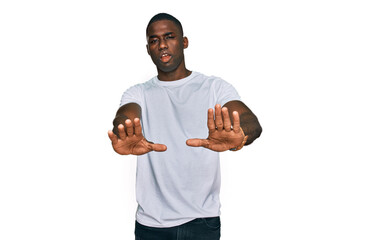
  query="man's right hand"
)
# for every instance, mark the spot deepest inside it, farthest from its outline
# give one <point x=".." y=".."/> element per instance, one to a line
<point x="132" y="141"/>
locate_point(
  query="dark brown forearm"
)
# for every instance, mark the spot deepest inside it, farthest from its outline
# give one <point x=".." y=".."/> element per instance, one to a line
<point x="248" y="121"/>
<point x="251" y="127"/>
<point x="119" y="119"/>
<point x="127" y="111"/>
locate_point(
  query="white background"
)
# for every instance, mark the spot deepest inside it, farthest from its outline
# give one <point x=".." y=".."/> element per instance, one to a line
<point x="301" y="66"/>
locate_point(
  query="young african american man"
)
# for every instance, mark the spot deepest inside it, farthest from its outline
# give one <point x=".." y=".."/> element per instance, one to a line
<point x="177" y="123"/>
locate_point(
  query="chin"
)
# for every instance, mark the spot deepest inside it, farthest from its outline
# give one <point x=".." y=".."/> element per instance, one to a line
<point x="167" y="69"/>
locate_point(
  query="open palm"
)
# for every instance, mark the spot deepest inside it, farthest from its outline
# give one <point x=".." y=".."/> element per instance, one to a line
<point x="132" y="141"/>
<point x="222" y="135"/>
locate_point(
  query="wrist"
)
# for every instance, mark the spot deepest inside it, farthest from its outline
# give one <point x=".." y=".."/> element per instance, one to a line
<point x="240" y="146"/>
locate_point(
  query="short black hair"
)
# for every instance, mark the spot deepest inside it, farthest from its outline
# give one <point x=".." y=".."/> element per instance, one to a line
<point x="165" y="16"/>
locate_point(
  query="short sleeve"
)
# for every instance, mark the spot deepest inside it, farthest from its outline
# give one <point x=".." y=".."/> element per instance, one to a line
<point x="225" y="92"/>
<point x="132" y="95"/>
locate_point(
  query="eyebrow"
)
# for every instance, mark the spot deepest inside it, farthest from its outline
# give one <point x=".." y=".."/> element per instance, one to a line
<point x="154" y="36"/>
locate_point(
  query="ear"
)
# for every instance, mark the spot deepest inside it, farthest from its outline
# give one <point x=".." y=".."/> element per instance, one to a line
<point x="185" y="42"/>
<point x="147" y="49"/>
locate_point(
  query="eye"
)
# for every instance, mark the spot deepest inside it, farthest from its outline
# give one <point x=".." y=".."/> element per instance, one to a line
<point x="169" y="37"/>
<point x="153" y="41"/>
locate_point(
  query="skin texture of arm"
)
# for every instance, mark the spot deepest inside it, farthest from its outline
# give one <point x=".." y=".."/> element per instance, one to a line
<point x="127" y="111"/>
<point x="248" y="121"/>
<point x="127" y="137"/>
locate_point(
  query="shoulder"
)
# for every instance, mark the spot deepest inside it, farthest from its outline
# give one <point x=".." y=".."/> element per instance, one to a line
<point x="141" y="86"/>
<point x="211" y="79"/>
<point x="215" y="81"/>
<point x="135" y="93"/>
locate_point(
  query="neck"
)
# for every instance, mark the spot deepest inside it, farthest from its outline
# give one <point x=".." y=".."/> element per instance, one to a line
<point x="179" y="73"/>
<point x="173" y="76"/>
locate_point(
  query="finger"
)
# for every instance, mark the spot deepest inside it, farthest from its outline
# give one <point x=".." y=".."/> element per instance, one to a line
<point x="129" y="128"/>
<point x="218" y="117"/>
<point x="226" y="119"/>
<point x="236" y="122"/>
<point x="196" y="142"/>
<point x="158" y="147"/>
<point x="122" y="133"/>
<point x="137" y="127"/>
<point x="210" y="120"/>
<point x="113" y="137"/>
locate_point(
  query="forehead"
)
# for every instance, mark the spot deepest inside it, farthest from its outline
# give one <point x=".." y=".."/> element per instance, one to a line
<point x="162" y="27"/>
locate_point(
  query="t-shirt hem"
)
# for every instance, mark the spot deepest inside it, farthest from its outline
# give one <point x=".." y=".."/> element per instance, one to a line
<point x="173" y="224"/>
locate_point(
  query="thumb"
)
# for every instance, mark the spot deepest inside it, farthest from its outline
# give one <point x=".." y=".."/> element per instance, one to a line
<point x="197" y="142"/>
<point x="158" y="147"/>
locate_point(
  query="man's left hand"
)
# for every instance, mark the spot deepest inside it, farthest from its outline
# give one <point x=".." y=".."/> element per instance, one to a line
<point x="222" y="135"/>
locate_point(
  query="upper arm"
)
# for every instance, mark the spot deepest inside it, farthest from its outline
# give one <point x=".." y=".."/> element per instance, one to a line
<point x="129" y="110"/>
<point x="248" y="121"/>
<point x="238" y="106"/>
<point x="130" y="102"/>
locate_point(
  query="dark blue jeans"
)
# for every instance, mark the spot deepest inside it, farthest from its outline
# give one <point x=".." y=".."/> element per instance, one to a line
<point x="198" y="229"/>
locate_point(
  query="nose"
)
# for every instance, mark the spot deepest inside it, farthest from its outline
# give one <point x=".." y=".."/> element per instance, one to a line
<point x="163" y="44"/>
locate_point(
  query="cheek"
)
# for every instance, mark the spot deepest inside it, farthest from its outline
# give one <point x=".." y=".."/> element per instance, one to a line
<point x="151" y="53"/>
<point x="179" y="48"/>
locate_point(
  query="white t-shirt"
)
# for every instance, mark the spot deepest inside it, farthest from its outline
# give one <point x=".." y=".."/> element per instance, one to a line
<point x="182" y="183"/>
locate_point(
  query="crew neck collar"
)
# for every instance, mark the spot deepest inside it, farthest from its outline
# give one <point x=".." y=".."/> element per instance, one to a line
<point x="175" y="82"/>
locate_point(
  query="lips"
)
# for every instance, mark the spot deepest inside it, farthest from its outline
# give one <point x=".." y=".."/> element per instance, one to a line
<point x="165" y="57"/>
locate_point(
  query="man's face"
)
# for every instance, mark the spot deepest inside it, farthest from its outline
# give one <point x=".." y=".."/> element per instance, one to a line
<point x="165" y="45"/>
